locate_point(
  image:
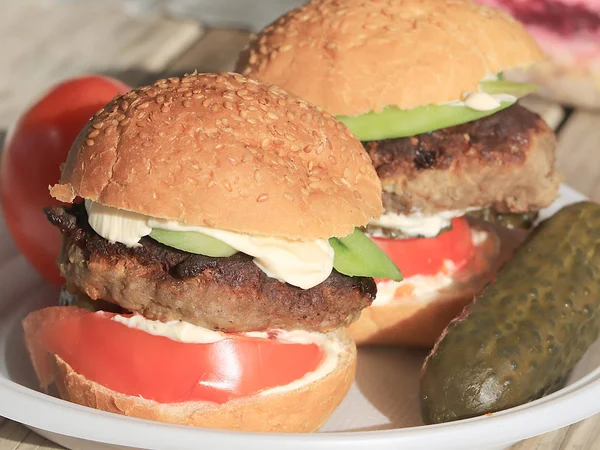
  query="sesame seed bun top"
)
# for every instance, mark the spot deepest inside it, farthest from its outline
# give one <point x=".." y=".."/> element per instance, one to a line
<point x="222" y="151"/>
<point x="355" y="56"/>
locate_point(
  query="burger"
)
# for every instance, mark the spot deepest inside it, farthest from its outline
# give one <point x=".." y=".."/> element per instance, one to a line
<point x="420" y="83"/>
<point x="569" y="32"/>
<point x="212" y="262"/>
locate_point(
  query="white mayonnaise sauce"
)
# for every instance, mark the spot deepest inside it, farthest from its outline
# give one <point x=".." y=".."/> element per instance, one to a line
<point x="192" y="334"/>
<point x="424" y="287"/>
<point x="418" y="224"/>
<point x="304" y="264"/>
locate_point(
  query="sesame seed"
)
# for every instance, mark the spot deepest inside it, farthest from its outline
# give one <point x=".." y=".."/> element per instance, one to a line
<point x="257" y="176"/>
<point x="93" y="134"/>
<point x="272" y="115"/>
<point x="347" y="172"/>
<point x="143" y="105"/>
<point x="98" y="125"/>
<point x="241" y="92"/>
<point x="288" y="196"/>
<point x="206" y="102"/>
<point x="227" y="186"/>
<point x="165" y="108"/>
<point x="209" y="222"/>
<point x="187" y="103"/>
<point x="262" y="198"/>
<point x="160" y="99"/>
<point x="125" y="122"/>
<point x="90" y="142"/>
<point x="332" y="160"/>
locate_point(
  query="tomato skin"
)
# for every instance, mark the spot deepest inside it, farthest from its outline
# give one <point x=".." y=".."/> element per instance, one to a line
<point x="34" y="150"/>
<point x="133" y="362"/>
<point x="426" y="256"/>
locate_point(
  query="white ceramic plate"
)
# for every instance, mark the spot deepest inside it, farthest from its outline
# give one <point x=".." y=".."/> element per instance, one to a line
<point x="381" y="410"/>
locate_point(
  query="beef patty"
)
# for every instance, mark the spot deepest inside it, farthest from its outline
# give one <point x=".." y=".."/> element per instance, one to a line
<point x="228" y="294"/>
<point x="504" y="161"/>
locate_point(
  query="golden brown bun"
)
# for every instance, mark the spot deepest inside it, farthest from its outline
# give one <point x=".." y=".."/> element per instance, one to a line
<point x="222" y="151"/>
<point x="355" y="56"/>
<point x="572" y="85"/>
<point x="419" y="325"/>
<point x="298" y="411"/>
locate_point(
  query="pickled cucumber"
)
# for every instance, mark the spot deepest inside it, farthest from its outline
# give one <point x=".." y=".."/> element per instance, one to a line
<point x="393" y="122"/>
<point x="526" y="331"/>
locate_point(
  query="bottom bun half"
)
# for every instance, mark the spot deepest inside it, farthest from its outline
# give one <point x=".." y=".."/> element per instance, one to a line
<point x="419" y="324"/>
<point x="303" y="409"/>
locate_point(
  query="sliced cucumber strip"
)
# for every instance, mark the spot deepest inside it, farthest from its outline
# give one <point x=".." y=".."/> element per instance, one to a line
<point x="393" y="122"/>
<point x="508" y="87"/>
<point x="193" y="242"/>
<point x="356" y="255"/>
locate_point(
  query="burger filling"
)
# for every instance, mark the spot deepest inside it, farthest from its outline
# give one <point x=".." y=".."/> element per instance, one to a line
<point x="170" y="325"/>
<point x="442" y="166"/>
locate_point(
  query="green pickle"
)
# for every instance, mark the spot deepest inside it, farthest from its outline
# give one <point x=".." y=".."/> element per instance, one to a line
<point x="356" y="255"/>
<point x="524" y="333"/>
<point x="193" y="242"/>
<point x="393" y="122"/>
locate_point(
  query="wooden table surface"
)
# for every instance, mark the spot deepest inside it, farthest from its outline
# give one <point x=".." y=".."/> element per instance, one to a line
<point x="45" y="41"/>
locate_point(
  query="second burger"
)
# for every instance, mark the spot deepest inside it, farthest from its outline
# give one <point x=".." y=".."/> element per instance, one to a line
<point x="420" y="83"/>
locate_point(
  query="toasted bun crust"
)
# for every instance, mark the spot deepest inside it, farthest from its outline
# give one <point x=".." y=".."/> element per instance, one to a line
<point x="576" y="86"/>
<point x="420" y="324"/>
<point x="297" y="411"/>
<point x="222" y="151"/>
<point x="355" y="56"/>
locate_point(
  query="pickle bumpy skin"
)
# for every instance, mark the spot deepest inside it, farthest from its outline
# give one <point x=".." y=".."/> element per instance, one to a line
<point x="522" y="336"/>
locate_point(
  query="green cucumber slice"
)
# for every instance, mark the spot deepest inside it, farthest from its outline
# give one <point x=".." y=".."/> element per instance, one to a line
<point x="193" y="242"/>
<point x="356" y="255"/>
<point x="508" y="87"/>
<point x="393" y="122"/>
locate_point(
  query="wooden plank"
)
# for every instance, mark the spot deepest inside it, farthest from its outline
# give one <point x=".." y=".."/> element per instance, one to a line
<point x="12" y="434"/>
<point x="578" y="151"/>
<point x="44" y="42"/>
<point x="217" y="51"/>
<point x="584" y="435"/>
<point x="34" y="441"/>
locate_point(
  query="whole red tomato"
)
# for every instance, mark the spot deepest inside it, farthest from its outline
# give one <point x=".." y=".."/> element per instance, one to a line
<point x="34" y="150"/>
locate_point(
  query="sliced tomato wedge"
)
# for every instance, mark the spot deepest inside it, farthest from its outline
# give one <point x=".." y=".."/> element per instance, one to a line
<point x="134" y="362"/>
<point x="426" y="256"/>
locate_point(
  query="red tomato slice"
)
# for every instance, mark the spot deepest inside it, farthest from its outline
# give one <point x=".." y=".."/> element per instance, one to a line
<point x="34" y="150"/>
<point x="426" y="256"/>
<point x="133" y="362"/>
